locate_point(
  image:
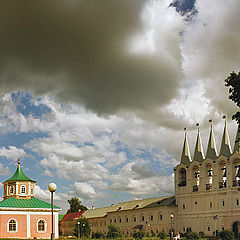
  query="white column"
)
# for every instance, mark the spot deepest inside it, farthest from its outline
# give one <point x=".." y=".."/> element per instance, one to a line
<point x="28" y="226"/>
<point x="56" y="224"/>
<point x="16" y="188"/>
<point x="29" y="190"/>
<point x="7" y="190"/>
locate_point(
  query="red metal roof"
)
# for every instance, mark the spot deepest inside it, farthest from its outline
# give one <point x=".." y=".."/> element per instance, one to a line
<point x="71" y="216"/>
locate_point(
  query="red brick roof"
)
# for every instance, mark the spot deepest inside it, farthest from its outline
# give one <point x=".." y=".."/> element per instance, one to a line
<point x="71" y="216"/>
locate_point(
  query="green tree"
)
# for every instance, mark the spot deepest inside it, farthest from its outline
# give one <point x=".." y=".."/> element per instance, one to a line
<point x="162" y="235"/>
<point x="82" y="228"/>
<point x="113" y="231"/>
<point x="75" y="205"/>
<point x="138" y="235"/>
<point x="193" y="236"/>
<point x="233" y="82"/>
<point x="98" y="235"/>
<point x="226" y="235"/>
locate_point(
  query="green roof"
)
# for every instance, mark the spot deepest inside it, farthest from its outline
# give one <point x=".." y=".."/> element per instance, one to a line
<point x="19" y="176"/>
<point x="130" y="205"/>
<point x="25" y="203"/>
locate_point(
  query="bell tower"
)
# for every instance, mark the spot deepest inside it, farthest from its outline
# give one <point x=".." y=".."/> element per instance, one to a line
<point x="19" y="185"/>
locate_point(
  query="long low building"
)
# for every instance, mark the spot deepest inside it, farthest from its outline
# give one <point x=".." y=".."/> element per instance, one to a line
<point x="149" y="215"/>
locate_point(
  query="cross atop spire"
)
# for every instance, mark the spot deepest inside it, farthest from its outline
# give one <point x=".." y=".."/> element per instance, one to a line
<point x="185" y="158"/>
<point x="198" y="153"/>
<point x="19" y="163"/>
<point x="211" y="149"/>
<point x="237" y="141"/>
<point x="225" y="149"/>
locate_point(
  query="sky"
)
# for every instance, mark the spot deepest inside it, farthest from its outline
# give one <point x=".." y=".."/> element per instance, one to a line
<point x="95" y="94"/>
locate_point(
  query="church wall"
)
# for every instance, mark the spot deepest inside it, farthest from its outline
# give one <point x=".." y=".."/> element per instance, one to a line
<point x="197" y="205"/>
<point x="21" y="228"/>
<point x="27" y="224"/>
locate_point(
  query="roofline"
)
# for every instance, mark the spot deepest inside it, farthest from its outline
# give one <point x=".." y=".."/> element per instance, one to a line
<point x="20" y="181"/>
<point x="23" y="209"/>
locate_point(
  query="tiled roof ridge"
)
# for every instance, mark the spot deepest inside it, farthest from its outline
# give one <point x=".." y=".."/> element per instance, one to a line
<point x="72" y="215"/>
<point x="145" y="199"/>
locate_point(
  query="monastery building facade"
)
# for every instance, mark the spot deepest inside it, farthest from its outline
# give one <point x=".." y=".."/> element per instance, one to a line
<point x="207" y="196"/>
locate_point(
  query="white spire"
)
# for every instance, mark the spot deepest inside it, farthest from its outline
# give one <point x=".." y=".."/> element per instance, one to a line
<point x="185" y="158"/>
<point x="225" y="149"/>
<point x="211" y="149"/>
<point x="237" y="141"/>
<point x="198" y="153"/>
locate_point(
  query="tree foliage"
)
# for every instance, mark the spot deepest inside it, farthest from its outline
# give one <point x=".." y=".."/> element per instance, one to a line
<point x="233" y="82"/>
<point x="75" y="205"/>
<point x="138" y="235"/>
<point x="162" y="235"/>
<point x="226" y="235"/>
<point x="193" y="236"/>
<point x="113" y="231"/>
<point x="82" y="228"/>
<point x="98" y="235"/>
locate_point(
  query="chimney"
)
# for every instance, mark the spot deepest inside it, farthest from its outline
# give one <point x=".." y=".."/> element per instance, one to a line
<point x="93" y="207"/>
<point x="112" y="204"/>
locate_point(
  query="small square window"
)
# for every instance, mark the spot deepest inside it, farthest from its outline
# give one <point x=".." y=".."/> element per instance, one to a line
<point x="151" y="217"/>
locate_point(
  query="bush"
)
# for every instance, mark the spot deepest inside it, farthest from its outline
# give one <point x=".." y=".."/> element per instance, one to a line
<point x="138" y="235"/>
<point x="193" y="236"/>
<point x="153" y="234"/>
<point x="162" y="235"/>
<point x="202" y="235"/>
<point x="113" y="231"/>
<point x="98" y="235"/>
<point x="226" y="235"/>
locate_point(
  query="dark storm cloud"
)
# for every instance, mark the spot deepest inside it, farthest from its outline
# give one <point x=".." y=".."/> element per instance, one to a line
<point x="78" y="51"/>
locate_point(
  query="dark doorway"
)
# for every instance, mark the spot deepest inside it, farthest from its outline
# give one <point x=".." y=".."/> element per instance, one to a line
<point x="235" y="229"/>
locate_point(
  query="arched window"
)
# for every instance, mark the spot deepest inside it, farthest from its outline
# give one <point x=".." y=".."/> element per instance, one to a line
<point x="196" y="178"/>
<point x="11" y="190"/>
<point x="12" y="225"/>
<point x="182" y="177"/>
<point x="223" y="174"/>
<point x="23" y="189"/>
<point x="41" y="225"/>
<point x="209" y="176"/>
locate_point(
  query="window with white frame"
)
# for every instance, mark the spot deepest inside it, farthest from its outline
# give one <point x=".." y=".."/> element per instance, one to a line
<point x="12" y="225"/>
<point x="31" y="190"/>
<point x="11" y="191"/>
<point x="23" y="189"/>
<point x="41" y="225"/>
